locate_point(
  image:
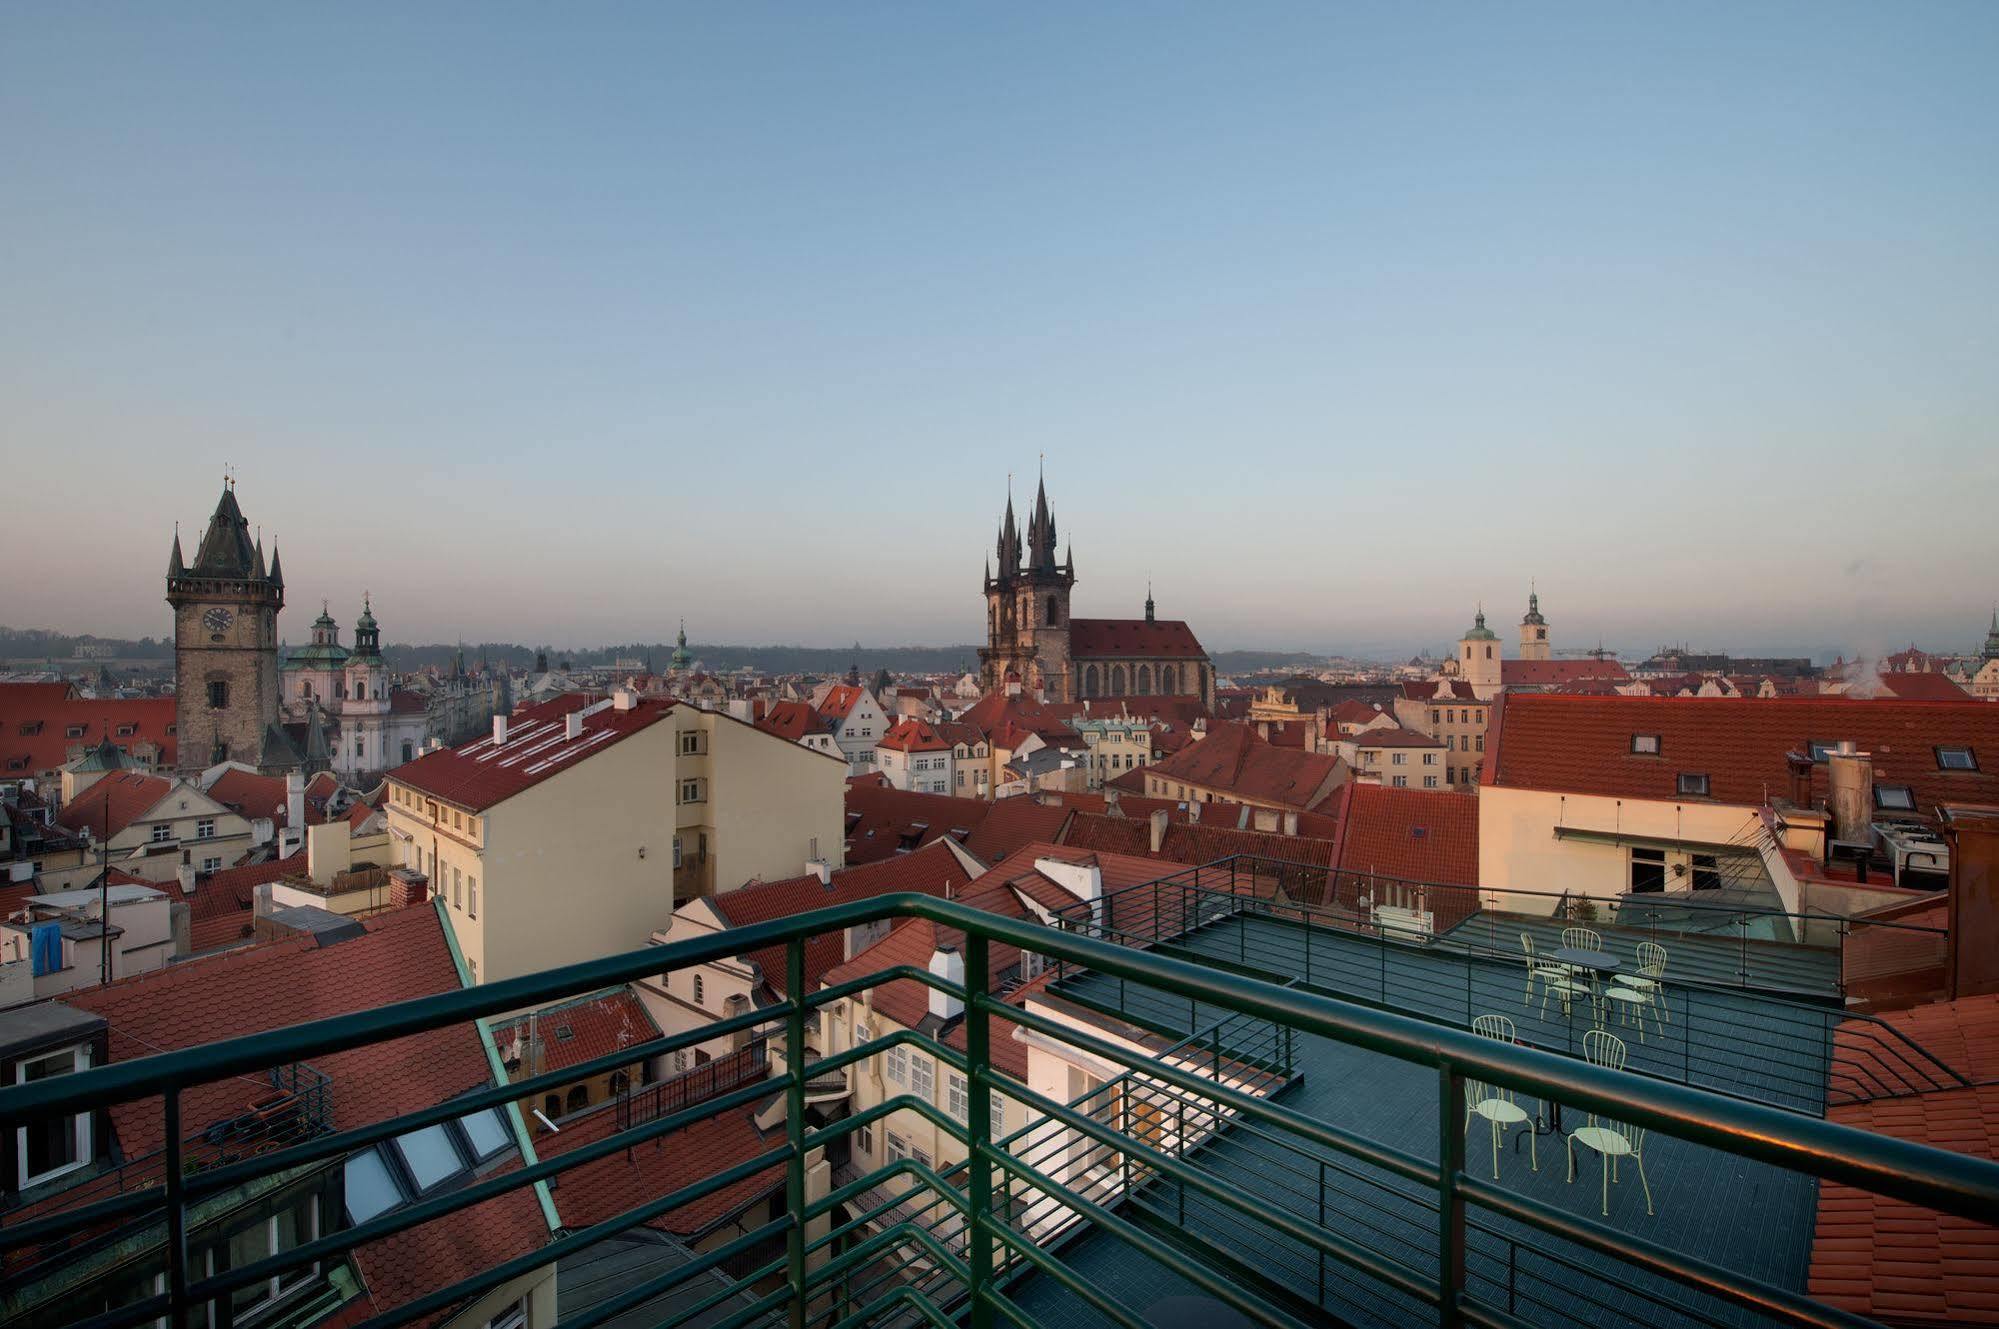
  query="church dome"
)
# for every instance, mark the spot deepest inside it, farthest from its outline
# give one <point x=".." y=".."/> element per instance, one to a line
<point x="1479" y="631"/>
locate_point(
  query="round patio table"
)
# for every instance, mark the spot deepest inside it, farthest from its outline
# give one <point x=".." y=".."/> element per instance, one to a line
<point x="1603" y="962"/>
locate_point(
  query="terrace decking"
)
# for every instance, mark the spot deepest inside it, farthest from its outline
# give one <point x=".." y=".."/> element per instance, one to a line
<point x="1744" y="1216"/>
<point x="1717" y="958"/>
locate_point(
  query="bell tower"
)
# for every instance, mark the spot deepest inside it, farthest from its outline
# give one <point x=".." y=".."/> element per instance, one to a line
<point x="1027" y="607"/>
<point x="1534" y="643"/>
<point x="226" y="607"/>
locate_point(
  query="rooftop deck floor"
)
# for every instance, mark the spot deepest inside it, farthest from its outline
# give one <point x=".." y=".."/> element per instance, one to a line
<point x="1745" y="1216"/>
<point x="1713" y="958"/>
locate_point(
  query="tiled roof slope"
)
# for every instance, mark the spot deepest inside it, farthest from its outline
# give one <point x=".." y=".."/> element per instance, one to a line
<point x="402" y="956"/>
<point x="35" y="720"/>
<point x="477" y="775"/>
<point x="791" y="720"/>
<point x="1136" y="637"/>
<point x="917" y="736"/>
<point x="882" y="821"/>
<point x="1232" y="760"/>
<point x="114" y="802"/>
<point x="1901" y="1263"/>
<point x="579" y="1030"/>
<point x="1584" y="743"/>
<point x="1922" y="687"/>
<point x="1540" y="673"/>
<point x="222" y="910"/>
<point x="1014" y="822"/>
<point x="608" y="1186"/>
<point x="1413" y="834"/>
<point x="931" y="870"/>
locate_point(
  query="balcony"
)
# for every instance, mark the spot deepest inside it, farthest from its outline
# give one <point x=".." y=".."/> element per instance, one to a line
<point x="1278" y="1137"/>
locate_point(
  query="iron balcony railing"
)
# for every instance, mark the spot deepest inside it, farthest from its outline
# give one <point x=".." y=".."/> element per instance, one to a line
<point x="1011" y="1219"/>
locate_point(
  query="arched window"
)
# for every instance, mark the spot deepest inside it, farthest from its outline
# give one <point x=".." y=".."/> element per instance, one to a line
<point x="551" y="1106"/>
<point x="579" y="1098"/>
<point x="1090" y="681"/>
<point x="1488" y="652"/>
<point x="620" y="1082"/>
<point x="1169" y="681"/>
<point x="1054" y="612"/>
<point x="1202" y="672"/>
<point x="1143" y="675"/>
<point x="1117" y="681"/>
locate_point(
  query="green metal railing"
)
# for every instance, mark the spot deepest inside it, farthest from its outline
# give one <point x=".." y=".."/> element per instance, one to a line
<point x="1010" y="1206"/>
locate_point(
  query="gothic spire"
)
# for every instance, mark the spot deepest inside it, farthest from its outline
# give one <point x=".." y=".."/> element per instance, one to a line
<point x="277" y="567"/>
<point x="175" y="567"/>
<point x="1148" y="600"/>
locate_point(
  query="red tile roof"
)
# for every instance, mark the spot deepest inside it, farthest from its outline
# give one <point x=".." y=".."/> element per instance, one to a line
<point x="840" y="700"/>
<point x="1414" y="834"/>
<point x="403" y="955"/>
<point x="1136" y="638"/>
<point x="1360" y="713"/>
<point x="1007" y="719"/>
<point x="114" y="802"/>
<point x="608" y="1186"/>
<point x="1537" y="673"/>
<point x="1921" y="687"/>
<point x="916" y="736"/>
<point x="882" y="821"/>
<point x="1013" y="822"/>
<point x="792" y="721"/>
<point x="35" y="720"/>
<point x="579" y="1030"/>
<point x="1234" y="763"/>
<point x="478" y="775"/>
<point x="1898" y="1262"/>
<point x="931" y="870"/>
<point x="1555" y="742"/>
<point x="254" y="795"/>
<point x="1392" y="737"/>
<point x="221" y="912"/>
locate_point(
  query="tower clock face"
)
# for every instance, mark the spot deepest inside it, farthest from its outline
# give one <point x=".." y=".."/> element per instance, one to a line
<point x="217" y="619"/>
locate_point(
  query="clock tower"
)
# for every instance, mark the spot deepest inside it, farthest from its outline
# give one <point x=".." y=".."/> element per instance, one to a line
<point x="226" y="607"/>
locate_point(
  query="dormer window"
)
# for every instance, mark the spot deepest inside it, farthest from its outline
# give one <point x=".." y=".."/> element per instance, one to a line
<point x="51" y="1147"/>
<point x="1644" y="745"/>
<point x="1894" y="797"/>
<point x="1693" y="786"/>
<point x="1956" y="759"/>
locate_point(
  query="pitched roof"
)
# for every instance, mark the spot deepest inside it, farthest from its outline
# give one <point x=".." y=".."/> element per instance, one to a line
<point x="578" y="1030"/>
<point x="1899" y="1262"/>
<point x="1007" y="719"/>
<point x="114" y="802"/>
<point x="1532" y="673"/>
<point x="792" y="721"/>
<point x="35" y="720"/>
<point x="931" y="870"/>
<point x="1556" y="742"/>
<point x="1921" y="687"/>
<point x="401" y="955"/>
<point x="884" y="821"/>
<point x="222" y="910"/>
<point x="916" y="736"/>
<point x="1013" y="822"/>
<point x="1413" y="834"/>
<point x="1093" y="638"/>
<point x="1233" y="761"/>
<point x="605" y="1187"/>
<point x="841" y="699"/>
<point x="1357" y="712"/>
<point x="1393" y="737"/>
<point x="479" y="774"/>
<point x="1454" y="689"/>
<point x="254" y="795"/>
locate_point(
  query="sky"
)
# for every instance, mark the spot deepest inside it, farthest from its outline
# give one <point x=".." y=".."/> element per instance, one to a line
<point x="560" y="323"/>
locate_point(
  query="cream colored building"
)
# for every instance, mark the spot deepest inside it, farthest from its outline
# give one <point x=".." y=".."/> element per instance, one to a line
<point x="1450" y="711"/>
<point x="1116" y="744"/>
<point x="153" y="825"/>
<point x="570" y="831"/>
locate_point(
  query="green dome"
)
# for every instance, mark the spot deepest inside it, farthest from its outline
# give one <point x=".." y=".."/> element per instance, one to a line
<point x="1479" y="631"/>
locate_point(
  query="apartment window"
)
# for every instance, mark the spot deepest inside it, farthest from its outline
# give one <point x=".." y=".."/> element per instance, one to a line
<point x="1400" y="782"/>
<point x="1956" y="759"/>
<point x="958" y="1096"/>
<point x="898" y="1148"/>
<point x="1648" y="869"/>
<point x="922" y="1158"/>
<point x="897" y="1067"/>
<point x="1693" y="786"/>
<point x="218" y="693"/>
<point x="1429" y="759"/>
<point x="457" y="889"/>
<point x="162" y="833"/>
<point x="864" y="1139"/>
<point x="690" y="791"/>
<point x="204" y="829"/>
<point x="999" y="1115"/>
<point x="1481" y="742"/>
<point x="700" y="997"/>
<point x="1644" y="745"/>
<point x="51" y="1147"/>
<point x="285" y="1230"/>
<point x="472" y="895"/>
<point x="1707" y="872"/>
<point x="676" y="852"/>
<point x="690" y="742"/>
<point x="1398" y="758"/>
<point x="923" y="1077"/>
<point x="1895" y="797"/>
<point x="73" y="731"/>
<point x="1429" y="782"/>
<point x="513" y="1317"/>
<point x="213" y="863"/>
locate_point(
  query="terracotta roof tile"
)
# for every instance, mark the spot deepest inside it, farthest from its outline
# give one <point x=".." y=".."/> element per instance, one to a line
<point x="35" y="720"/>
<point x="1097" y="638"/>
<point x="479" y="774"/>
<point x="114" y="802"/>
<point x="1233" y="762"/>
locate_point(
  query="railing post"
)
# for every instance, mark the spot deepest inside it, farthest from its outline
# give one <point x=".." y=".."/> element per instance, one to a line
<point x="978" y="1130"/>
<point x="794" y="1125"/>
<point x="177" y="1306"/>
<point x="1450" y="1204"/>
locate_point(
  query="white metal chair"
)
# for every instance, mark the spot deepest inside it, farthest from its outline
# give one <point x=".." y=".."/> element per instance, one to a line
<point x="1581" y="939"/>
<point x="1501" y="1107"/>
<point x="1539" y="970"/>
<point x="1632" y="1004"/>
<point x="1650" y="977"/>
<point x="1611" y="1140"/>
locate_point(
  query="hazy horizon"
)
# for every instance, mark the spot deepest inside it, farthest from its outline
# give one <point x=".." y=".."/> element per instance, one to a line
<point x="564" y="325"/>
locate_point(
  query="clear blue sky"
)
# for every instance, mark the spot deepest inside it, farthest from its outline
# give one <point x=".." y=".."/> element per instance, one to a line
<point x="560" y="322"/>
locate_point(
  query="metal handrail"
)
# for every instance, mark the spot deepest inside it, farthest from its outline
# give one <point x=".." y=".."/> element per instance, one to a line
<point x="1936" y="1179"/>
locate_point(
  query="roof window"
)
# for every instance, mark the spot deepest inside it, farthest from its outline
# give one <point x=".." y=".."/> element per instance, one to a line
<point x="1692" y="785"/>
<point x="1895" y="797"/>
<point x="1645" y="745"/>
<point x="1956" y="758"/>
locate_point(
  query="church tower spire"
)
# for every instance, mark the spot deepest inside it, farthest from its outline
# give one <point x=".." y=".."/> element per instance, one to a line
<point x="1534" y="643"/>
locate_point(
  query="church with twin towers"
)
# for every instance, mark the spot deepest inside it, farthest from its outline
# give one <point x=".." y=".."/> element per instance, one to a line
<point x="1036" y="648"/>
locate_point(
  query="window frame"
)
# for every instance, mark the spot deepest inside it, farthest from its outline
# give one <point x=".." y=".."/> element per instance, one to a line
<point x="82" y="1129"/>
<point x="1693" y="784"/>
<point x="1970" y="757"/>
<point x="1904" y="793"/>
<point x="1657" y="748"/>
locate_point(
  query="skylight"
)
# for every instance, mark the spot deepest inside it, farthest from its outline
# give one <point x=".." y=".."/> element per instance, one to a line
<point x="1645" y="745"/>
<point x="1895" y="797"/>
<point x="1956" y="759"/>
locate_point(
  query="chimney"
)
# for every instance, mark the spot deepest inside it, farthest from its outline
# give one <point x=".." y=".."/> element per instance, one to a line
<point x="499" y="731"/>
<point x="1085" y="881"/>
<point x="185" y="875"/>
<point x="947" y="963"/>
<point x="821" y="869"/>
<point x="1156" y="830"/>
<point x="624" y="699"/>
<point x="1194" y="810"/>
<point x="1850" y="789"/>
<point x="1111" y="797"/>
<point x="295" y="803"/>
<point x="572" y="726"/>
<point x="1972" y="945"/>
